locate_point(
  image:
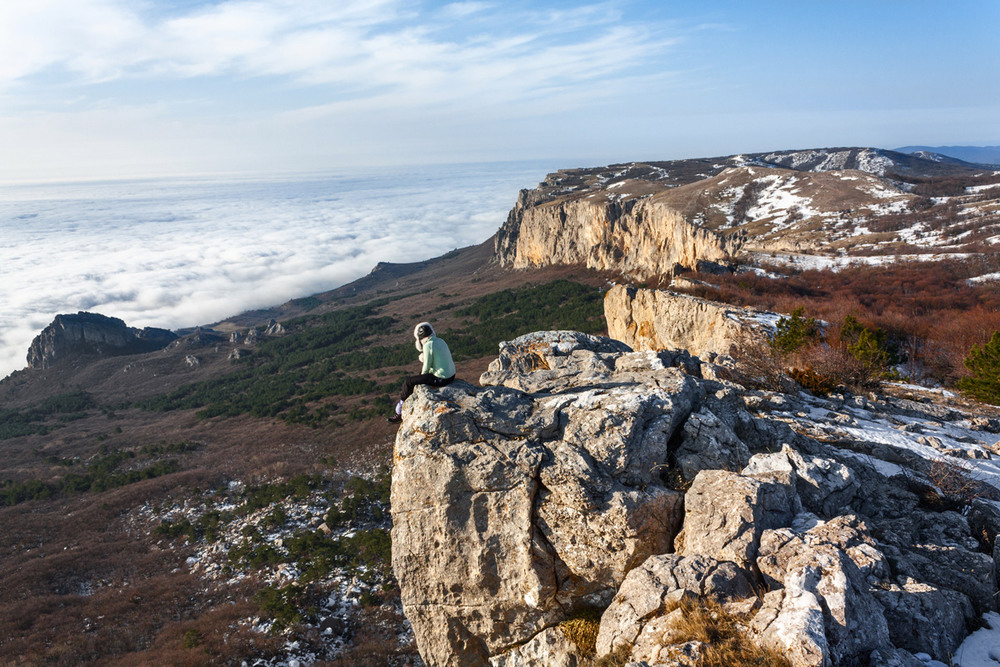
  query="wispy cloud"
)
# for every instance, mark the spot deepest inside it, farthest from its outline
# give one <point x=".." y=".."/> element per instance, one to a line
<point x="364" y="48"/>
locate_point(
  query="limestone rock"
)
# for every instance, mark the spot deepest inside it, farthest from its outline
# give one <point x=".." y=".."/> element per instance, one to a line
<point x="709" y="444"/>
<point x="641" y="238"/>
<point x="824" y="485"/>
<point x="92" y="334"/>
<point x="649" y="592"/>
<point x="274" y="328"/>
<point x="726" y="513"/>
<point x="824" y="597"/>
<point x="646" y="319"/>
<point x="925" y="619"/>
<point x="510" y="508"/>
<point x="549" y="647"/>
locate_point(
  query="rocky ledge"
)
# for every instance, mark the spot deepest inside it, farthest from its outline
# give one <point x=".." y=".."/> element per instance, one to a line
<point x="585" y="480"/>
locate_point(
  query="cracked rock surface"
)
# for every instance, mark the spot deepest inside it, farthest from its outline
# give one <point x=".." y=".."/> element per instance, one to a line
<point x="585" y="476"/>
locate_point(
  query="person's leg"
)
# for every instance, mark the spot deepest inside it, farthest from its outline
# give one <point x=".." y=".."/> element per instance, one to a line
<point x="410" y="383"/>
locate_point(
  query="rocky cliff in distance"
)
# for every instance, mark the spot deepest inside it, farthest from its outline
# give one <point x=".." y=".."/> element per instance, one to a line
<point x="587" y="478"/>
<point x="640" y="238"/>
<point x="646" y="319"/>
<point x="648" y="221"/>
<point x="92" y="334"/>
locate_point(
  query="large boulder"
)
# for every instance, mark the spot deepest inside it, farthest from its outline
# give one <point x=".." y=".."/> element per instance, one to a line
<point x="925" y="619"/>
<point x="725" y="514"/>
<point x="820" y="610"/>
<point x="639" y="616"/>
<point x="511" y="509"/>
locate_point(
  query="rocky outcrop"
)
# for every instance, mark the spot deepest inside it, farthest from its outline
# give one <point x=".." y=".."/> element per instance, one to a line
<point x="647" y="319"/>
<point x="559" y="486"/>
<point x="511" y="509"/>
<point x="641" y="238"/>
<point x="92" y="334"/>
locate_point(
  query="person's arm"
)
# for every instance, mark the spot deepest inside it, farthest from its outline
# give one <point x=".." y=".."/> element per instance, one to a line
<point x="428" y="357"/>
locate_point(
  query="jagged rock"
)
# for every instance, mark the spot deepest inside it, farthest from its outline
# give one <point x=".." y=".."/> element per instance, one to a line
<point x="925" y="619"/>
<point x="192" y="360"/>
<point x="552" y="361"/>
<point x="238" y="353"/>
<point x="646" y="319"/>
<point x="516" y="504"/>
<point x="235" y="337"/>
<point x="252" y="337"/>
<point x="725" y="514"/>
<point x="549" y="647"/>
<point x="641" y="238"/>
<point x="637" y="616"/>
<point x="791" y="621"/>
<point x="824" y="596"/>
<point x="709" y="444"/>
<point x="92" y="334"/>
<point x="824" y="485"/>
<point x="893" y="657"/>
<point x="274" y="328"/>
<point x="510" y="508"/>
<point x="950" y="567"/>
<point x="845" y="533"/>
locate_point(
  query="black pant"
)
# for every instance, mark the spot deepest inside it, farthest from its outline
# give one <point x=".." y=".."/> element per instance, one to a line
<point x="426" y="378"/>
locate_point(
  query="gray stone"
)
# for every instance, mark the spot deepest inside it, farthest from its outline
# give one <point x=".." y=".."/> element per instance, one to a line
<point x="925" y="619"/>
<point x="549" y="647"/>
<point x="725" y="514"/>
<point x="709" y="444"/>
<point x="659" y="585"/>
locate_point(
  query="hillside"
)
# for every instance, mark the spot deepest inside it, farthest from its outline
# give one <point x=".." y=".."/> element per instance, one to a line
<point x="226" y="498"/>
<point x="647" y="218"/>
<point x="121" y="474"/>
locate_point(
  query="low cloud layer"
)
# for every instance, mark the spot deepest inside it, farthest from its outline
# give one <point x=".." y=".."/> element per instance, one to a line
<point x="172" y="254"/>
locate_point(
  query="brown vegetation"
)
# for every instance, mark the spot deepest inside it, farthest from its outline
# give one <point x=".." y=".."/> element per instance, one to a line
<point x="927" y="308"/>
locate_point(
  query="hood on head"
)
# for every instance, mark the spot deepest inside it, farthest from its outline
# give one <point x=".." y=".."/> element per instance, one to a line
<point x="421" y="332"/>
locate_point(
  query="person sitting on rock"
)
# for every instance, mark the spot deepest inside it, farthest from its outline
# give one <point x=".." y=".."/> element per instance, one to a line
<point x="438" y="368"/>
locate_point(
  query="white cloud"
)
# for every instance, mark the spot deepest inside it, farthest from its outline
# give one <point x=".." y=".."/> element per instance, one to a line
<point x="174" y="253"/>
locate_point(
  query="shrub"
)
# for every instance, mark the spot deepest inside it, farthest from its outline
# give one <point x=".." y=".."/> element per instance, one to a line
<point x="794" y="332"/>
<point x="984" y="362"/>
<point x="581" y="629"/>
<point x="813" y="382"/>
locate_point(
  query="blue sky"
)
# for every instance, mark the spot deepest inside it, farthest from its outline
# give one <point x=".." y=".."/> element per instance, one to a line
<point x="119" y="88"/>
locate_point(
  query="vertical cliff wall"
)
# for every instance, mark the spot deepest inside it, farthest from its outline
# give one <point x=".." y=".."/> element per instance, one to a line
<point x="646" y="319"/>
<point x="641" y="238"/>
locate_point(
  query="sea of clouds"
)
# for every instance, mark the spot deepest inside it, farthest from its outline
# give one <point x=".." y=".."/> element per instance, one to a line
<point x="176" y="253"/>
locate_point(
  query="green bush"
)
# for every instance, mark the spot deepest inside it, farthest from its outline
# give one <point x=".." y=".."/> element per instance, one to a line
<point x="984" y="362"/>
<point x="871" y="347"/>
<point x="794" y="332"/>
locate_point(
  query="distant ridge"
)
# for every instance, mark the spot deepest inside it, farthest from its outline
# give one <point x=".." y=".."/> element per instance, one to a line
<point x="989" y="155"/>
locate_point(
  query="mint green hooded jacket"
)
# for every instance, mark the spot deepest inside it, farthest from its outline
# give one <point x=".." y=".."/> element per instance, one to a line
<point x="437" y="358"/>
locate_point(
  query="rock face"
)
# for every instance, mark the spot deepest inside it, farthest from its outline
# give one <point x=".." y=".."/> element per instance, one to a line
<point x="92" y="334"/>
<point x="511" y="509"/>
<point x="640" y="238"/>
<point x="647" y="319"/>
<point x="585" y="476"/>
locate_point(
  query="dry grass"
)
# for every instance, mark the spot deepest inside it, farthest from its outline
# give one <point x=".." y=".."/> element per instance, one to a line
<point x="581" y="629"/>
<point x="724" y="637"/>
